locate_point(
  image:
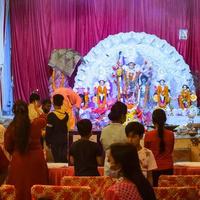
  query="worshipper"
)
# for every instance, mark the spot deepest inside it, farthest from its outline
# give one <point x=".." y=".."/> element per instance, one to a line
<point x="161" y="142"/>
<point x="115" y="131"/>
<point x="22" y="140"/>
<point x="2" y="132"/>
<point x="34" y="108"/>
<point x="56" y="130"/>
<point x="134" y="132"/>
<point x="71" y="105"/>
<point x="131" y="185"/>
<point x="3" y="166"/>
<point x="46" y="106"/>
<point x="85" y="154"/>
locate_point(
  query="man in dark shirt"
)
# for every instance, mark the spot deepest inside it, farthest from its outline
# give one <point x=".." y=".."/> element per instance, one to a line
<point x="56" y="130"/>
<point x="84" y="154"/>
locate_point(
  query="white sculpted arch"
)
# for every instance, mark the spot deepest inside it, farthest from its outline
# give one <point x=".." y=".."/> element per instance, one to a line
<point x="166" y="62"/>
<point x="163" y="60"/>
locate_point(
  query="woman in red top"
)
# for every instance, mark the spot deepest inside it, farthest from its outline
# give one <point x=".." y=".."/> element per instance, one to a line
<point x="161" y="142"/>
<point x="22" y="141"/>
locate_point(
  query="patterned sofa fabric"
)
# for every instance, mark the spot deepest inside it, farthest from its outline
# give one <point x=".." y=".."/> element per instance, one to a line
<point x="179" y="180"/>
<point x="176" y="193"/>
<point x="50" y="192"/>
<point x="7" y="192"/>
<point x="98" y="184"/>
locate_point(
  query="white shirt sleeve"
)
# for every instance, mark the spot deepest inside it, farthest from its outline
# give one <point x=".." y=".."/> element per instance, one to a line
<point x="151" y="161"/>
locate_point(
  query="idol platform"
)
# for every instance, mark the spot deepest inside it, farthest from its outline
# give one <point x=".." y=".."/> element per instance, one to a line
<point x="139" y="69"/>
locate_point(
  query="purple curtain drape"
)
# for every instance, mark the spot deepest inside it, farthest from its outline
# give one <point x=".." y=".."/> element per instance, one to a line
<point x="40" y="26"/>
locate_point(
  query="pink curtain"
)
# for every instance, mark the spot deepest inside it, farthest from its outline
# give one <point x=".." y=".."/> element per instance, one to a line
<point x="40" y="26"/>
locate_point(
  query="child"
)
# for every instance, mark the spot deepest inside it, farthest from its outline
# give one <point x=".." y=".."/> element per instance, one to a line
<point x="134" y="132"/>
<point x="84" y="154"/>
<point x="56" y="130"/>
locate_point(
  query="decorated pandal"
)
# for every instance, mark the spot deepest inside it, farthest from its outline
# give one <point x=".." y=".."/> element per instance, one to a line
<point x="138" y="69"/>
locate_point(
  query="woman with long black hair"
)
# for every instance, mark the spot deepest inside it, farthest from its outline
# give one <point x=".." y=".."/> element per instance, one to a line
<point x="132" y="185"/>
<point x="22" y="141"/>
<point x="161" y="142"/>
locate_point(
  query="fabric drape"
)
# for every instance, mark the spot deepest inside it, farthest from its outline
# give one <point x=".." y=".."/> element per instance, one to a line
<point x="40" y="26"/>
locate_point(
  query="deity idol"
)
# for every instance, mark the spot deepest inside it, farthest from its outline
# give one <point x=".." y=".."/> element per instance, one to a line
<point x="102" y="89"/>
<point x="143" y="91"/>
<point x="146" y="69"/>
<point x="119" y="75"/>
<point x="131" y="76"/>
<point x="162" y="94"/>
<point x="86" y="97"/>
<point x="84" y="94"/>
<point x="186" y="97"/>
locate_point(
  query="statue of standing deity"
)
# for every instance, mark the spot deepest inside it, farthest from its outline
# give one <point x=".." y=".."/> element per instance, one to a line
<point x="162" y="96"/>
<point x="84" y="94"/>
<point x="131" y="75"/>
<point x="119" y="75"/>
<point x="143" y="91"/>
<point x="186" y="97"/>
<point x="102" y="89"/>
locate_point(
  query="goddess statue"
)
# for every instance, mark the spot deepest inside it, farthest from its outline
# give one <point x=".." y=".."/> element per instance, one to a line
<point x="186" y="97"/>
<point x="102" y="89"/>
<point x="119" y="75"/>
<point x="162" y="96"/>
<point x="143" y="91"/>
<point x="131" y="75"/>
<point x="84" y="94"/>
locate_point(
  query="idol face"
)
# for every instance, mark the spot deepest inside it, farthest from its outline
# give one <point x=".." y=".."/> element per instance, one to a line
<point x="162" y="82"/>
<point x="185" y="87"/>
<point x="101" y="82"/>
<point x="131" y="65"/>
<point x="143" y="80"/>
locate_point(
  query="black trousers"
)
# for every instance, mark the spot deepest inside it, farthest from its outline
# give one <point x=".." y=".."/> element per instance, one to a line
<point x="157" y="173"/>
<point x="59" y="152"/>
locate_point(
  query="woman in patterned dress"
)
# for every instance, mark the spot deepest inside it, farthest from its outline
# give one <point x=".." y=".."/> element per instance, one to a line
<point x="132" y="185"/>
